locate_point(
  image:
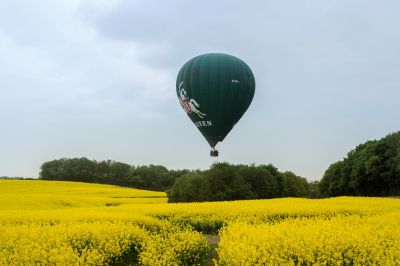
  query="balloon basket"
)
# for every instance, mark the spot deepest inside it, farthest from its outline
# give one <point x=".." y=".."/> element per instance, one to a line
<point x="214" y="153"/>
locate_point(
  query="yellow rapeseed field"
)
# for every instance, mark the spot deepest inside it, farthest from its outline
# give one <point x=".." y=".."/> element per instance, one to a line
<point x="71" y="223"/>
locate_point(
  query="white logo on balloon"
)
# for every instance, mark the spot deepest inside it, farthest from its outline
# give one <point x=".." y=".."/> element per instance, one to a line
<point x="189" y="105"/>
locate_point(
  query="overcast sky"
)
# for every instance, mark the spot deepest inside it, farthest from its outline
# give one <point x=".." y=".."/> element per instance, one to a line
<point x="97" y="79"/>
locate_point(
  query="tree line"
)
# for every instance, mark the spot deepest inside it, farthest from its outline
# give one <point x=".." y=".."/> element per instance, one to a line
<point x="15" y="178"/>
<point x="371" y="169"/>
<point x="222" y="181"/>
<point x="150" y="177"/>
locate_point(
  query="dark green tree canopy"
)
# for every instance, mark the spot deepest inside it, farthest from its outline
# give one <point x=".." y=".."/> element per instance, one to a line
<point x="224" y="181"/>
<point x="152" y="177"/>
<point x="215" y="90"/>
<point x="371" y="169"/>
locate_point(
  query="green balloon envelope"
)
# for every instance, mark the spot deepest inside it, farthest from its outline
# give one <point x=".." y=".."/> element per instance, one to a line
<point x="215" y="91"/>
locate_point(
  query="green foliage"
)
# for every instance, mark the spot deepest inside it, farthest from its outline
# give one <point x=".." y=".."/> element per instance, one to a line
<point x="152" y="177"/>
<point x="262" y="179"/>
<point x="313" y="190"/>
<point x="156" y="176"/>
<point x="294" y="186"/>
<point x="371" y="169"/>
<point x="15" y="178"/>
<point x="224" y="181"/>
<point x="188" y="186"/>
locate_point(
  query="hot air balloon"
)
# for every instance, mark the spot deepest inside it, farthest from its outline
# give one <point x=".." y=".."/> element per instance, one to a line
<point x="215" y="91"/>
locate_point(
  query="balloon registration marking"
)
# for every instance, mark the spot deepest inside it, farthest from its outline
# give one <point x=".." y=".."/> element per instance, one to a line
<point x="189" y="105"/>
